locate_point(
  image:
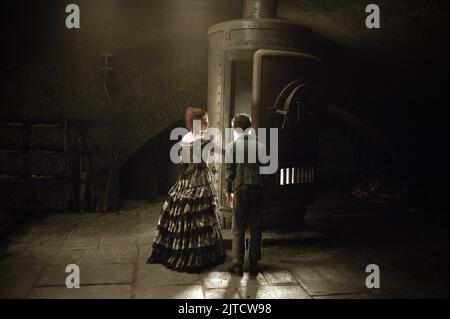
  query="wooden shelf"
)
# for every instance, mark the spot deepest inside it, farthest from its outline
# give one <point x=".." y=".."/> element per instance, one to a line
<point x="31" y="151"/>
<point x="11" y="124"/>
<point x="55" y="151"/>
<point x="33" y="178"/>
<point x="37" y="124"/>
<point x="10" y="151"/>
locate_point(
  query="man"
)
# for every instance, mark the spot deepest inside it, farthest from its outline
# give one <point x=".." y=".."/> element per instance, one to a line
<point x="244" y="194"/>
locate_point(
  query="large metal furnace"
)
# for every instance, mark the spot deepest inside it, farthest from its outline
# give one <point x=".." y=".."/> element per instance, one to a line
<point x="262" y="66"/>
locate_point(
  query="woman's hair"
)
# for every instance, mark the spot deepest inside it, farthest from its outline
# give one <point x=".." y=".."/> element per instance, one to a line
<point x="194" y="113"/>
<point x="241" y="121"/>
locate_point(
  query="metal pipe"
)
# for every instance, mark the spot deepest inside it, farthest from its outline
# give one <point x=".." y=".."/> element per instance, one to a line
<point x="259" y="9"/>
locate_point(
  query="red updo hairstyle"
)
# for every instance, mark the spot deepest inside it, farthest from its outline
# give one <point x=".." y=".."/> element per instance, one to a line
<point x="194" y="113"/>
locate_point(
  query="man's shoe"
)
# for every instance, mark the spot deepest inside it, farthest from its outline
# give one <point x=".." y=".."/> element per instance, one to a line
<point x="237" y="270"/>
<point x="254" y="269"/>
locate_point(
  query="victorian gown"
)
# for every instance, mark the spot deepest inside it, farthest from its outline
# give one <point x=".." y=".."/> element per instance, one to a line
<point x="188" y="236"/>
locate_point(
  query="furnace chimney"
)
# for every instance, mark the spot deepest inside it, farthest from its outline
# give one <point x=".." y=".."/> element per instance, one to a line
<point x="259" y="9"/>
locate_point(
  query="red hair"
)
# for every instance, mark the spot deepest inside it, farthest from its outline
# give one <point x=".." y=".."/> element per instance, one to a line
<point x="194" y="113"/>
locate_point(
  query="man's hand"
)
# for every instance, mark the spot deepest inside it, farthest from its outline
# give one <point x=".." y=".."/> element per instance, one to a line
<point x="230" y="200"/>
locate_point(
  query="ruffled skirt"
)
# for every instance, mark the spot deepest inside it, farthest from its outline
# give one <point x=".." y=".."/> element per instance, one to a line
<point x="188" y="236"/>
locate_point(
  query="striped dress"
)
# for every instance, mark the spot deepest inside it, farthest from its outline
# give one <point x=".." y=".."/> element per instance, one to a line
<point x="188" y="236"/>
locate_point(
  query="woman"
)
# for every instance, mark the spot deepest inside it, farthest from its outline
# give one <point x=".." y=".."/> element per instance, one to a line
<point x="188" y="236"/>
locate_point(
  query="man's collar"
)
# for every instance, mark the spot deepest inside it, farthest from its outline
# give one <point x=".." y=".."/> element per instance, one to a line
<point x="242" y="135"/>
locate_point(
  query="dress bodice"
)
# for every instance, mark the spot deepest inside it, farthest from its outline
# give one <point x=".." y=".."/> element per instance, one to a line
<point x="194" y="151"/>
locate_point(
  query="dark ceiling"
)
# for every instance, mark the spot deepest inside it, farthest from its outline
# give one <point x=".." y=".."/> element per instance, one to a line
<point x="409" y="29"/>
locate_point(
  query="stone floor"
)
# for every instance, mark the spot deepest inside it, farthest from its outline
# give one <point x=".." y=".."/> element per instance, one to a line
<point x="111" y="249"/>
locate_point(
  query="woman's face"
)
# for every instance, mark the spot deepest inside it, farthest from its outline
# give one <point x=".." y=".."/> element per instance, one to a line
<point x="205" y="125"/>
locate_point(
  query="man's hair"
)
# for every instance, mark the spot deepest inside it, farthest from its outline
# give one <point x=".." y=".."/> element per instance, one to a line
<point x="241" y="121"/>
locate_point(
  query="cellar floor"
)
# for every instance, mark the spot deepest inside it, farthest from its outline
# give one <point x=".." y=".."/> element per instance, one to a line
<point x="110" y="249"/>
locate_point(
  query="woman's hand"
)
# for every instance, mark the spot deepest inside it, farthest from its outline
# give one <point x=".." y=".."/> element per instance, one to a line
<point x="230" y="200"/>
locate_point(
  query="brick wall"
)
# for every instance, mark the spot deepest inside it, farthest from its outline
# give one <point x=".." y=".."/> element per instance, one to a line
<point x="160" y="67"/>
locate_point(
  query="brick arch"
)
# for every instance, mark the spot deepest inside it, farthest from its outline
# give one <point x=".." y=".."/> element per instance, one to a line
<point x="58" y="85"/>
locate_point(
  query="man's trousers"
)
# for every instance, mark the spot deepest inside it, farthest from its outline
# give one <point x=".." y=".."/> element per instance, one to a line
<point x="247" y="215"/>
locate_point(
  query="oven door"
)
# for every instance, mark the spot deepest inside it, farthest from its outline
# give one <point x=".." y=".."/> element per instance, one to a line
<point x="286" y="94"/>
